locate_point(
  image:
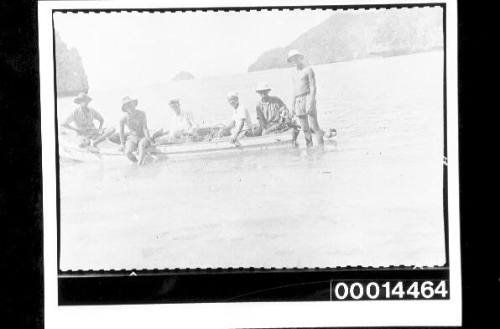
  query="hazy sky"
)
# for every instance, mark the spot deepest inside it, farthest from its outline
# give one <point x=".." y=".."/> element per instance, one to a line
<point x="132" y="49"/>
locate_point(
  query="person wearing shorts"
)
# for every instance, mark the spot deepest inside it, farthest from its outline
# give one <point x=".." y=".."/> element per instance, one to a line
<point x="137" y="139"/>
<point x="304" y="98"/>
<point x="83" y="119"/>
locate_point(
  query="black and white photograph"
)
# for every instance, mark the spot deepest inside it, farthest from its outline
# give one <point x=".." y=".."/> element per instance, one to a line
<point x="291" y="139"/>
<point x="250" y="139"/>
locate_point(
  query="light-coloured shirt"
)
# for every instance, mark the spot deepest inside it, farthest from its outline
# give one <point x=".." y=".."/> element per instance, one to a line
<point x="240" y="113"/>
<point x="181" y="122"/>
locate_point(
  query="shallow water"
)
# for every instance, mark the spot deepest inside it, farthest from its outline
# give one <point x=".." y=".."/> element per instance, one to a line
<point x="373" y="198"/>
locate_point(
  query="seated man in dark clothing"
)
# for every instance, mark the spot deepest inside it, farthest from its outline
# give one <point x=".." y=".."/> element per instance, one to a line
<point x="272" y="113"/>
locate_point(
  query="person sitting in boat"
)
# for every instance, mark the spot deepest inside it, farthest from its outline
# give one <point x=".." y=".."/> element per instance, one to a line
<point x="272" y="113"/>
<point x="241" y="123"/>
<point x="137" y="138"/>
<point x="83" y="118"/>
<point x="182" y="125"/>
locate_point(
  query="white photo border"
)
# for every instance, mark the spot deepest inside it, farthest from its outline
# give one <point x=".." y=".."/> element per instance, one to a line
<point x="394" y="313"/>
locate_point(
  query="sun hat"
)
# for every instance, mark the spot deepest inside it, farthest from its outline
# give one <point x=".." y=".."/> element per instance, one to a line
<point x="232" y="94"/>
<point x="127" y="100"/>
<point x="82" y="98"/>
<point x="293" y="53"/>
<point x="263" y="86"/>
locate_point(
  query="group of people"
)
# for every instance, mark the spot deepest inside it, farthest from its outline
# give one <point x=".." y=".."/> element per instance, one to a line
<point x="273" y="116"/>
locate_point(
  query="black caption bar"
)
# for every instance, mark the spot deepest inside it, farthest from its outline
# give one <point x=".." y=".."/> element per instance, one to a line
<point x="200" y="286"/>
<point x="341" y="290"/>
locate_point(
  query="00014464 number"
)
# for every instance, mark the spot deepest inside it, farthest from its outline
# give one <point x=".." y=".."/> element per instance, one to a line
<point x="403" y="289"/>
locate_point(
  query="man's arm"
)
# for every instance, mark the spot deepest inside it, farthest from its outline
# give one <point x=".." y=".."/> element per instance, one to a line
<point x="189" y="121"/>
<point x="312" y="89"/>
<point x="145" y="128"/>
<point x="99" y="118"/>
<point x="284" y="113"/>
<point x="239" y="128"/>
<point x="294" y="96"/>
<point x="260" y="117"/>
<point x="122" y="131"/>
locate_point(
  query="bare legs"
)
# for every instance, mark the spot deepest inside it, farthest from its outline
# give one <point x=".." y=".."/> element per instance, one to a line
<point x="142" y="152"/>
<point x="295" y="134"/>
<point x="141" y="146"/>
<point x="130" y="146"/>
<point x="309" y="124"/>
<point x="318" y="132"/>
<point x="107" y="132"/>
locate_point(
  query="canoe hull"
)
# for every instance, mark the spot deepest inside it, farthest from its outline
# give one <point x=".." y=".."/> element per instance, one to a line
<point x="108" y="150"/>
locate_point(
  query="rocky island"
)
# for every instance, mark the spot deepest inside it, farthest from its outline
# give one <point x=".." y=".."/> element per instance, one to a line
<point x="183" y="75"/>
<point x="70" y="74"/>
<point x="359" y="34"/>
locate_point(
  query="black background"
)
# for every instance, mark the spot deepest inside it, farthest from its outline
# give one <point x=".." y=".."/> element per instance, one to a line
<point x="21" y="185"/>
<point x="236" y="285"/>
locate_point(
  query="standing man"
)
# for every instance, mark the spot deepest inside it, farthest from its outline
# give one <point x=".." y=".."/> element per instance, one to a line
<point x="304" y="98"/>
<point x="83" y="117"/>
<point x="138" y="138"/>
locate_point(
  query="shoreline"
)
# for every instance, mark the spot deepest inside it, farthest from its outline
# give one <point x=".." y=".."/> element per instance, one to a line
<point x="235" y="75"/>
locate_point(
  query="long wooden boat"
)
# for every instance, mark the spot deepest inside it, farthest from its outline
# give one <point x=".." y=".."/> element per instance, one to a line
<point x="108" y="150"/>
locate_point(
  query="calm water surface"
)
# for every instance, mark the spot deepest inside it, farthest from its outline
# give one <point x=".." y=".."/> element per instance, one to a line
<point x="373" y="198"/>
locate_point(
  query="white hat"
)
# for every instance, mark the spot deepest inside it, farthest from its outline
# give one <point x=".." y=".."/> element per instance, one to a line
<point x="82" y="98"/>
<point x="293" y="53"/>
<point x="263" y="86"/>
<point x="127" y="100"/>
<point x="232" y="94"/>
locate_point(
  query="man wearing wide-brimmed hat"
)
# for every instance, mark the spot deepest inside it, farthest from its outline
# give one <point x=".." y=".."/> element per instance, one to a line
<point x="304" y="98"/>
<point x="83" y="118"/>
<point x="138" y="138"/>
<point x="272" y="113"/>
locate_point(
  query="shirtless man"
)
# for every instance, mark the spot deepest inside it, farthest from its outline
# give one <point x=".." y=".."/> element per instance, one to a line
<point x="83" y="118"/>
<point x="138" y="138"/>
<point x="304" y="98"/>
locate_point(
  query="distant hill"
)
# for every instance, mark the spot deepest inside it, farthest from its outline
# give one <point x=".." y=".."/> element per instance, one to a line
<point x="70" y="74"/>
<point x="183" y="75"/>
<point x="349" y="35"/>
